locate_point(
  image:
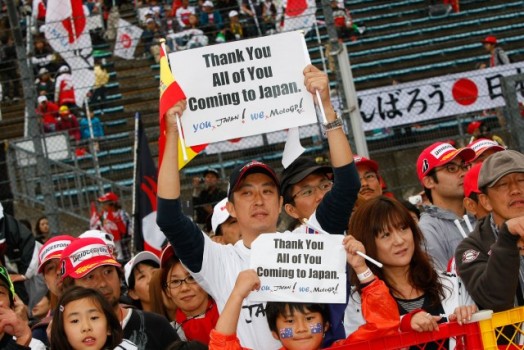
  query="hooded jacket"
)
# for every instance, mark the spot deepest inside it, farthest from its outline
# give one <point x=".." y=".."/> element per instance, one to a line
<point x="441" y="235"/>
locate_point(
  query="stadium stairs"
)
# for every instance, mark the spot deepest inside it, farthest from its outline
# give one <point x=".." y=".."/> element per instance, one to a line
<point x="402" y="42"/>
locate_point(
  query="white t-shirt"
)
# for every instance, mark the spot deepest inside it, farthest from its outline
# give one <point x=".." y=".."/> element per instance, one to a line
<point x="221" y="265"/>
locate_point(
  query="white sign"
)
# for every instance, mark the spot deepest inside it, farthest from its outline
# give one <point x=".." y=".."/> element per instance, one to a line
<point x="127" y="38"/>
<point x="243" y="88"/>
<point x="435" y="98"/>
<point x="299" y="267"/>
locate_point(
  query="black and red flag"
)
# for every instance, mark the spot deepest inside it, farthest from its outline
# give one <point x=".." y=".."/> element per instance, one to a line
<point x="147" y="233"/>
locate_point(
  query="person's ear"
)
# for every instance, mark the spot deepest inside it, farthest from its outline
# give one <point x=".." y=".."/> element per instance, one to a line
<point x="132" y="294"/>
<point x="291" y="210"/>
<point x="428" y="182"/>
<point x="485" y="202"/>
<point x="275" y="335"/>
<point x="470" y="205"/>
<point x="231" y="209"/>
<point x="326" y="327"/>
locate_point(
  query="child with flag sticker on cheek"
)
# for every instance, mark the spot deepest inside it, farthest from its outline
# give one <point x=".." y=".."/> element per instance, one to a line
<point x="302" y="326"/>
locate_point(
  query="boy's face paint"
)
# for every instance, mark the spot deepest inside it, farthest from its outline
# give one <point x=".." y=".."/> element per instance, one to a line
<point x="300" y="331"/>
<point x="286" y="333"/>
<point x="316" y="328"/>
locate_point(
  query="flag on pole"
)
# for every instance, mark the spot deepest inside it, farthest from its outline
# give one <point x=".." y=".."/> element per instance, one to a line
<point x="67" y="32"/>
<point x="299" y="15"/>
<point x="127" y="38"/>
<point x="170" y="94"/>
<point x="148" y="235"/>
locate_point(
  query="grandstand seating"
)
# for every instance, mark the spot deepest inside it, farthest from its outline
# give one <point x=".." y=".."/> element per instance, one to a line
<point x="402" y="42"/>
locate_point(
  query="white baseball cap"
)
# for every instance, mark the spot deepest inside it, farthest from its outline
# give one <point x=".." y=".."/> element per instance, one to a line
<point x="42" y="98"/>
<point x="108" y="238"/>
<point x="220" y="214"/>
<point x="208" y="4"/>
<point x="233" y="13"/>
<point x="137" y="259"/>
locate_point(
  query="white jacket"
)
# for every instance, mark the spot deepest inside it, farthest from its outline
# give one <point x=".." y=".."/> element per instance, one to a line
<point x="455" y="296"/>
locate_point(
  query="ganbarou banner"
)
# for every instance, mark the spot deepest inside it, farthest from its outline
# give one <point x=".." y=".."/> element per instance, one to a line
<point x="127" y="39"/>
<point x="244" y="88"/>
<point x="435" y="98"/>
<point x="299" y="267"/>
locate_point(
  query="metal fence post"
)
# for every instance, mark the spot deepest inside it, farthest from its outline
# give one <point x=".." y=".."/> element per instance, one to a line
<point x="26" y="74"/>
<point x="516" y="122"/>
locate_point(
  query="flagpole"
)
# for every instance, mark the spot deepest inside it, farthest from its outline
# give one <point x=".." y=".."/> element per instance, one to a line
<point x="135" y="181"/>
<point x="179" y="125"/>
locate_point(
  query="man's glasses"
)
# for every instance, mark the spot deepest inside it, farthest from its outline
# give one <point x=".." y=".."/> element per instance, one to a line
<point x="308" y="191"/>
<point x="453" y="168"/>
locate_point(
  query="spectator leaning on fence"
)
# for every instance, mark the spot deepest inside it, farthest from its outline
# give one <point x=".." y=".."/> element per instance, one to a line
<point x="490" y="260"/>
<point x="441" y="169"/>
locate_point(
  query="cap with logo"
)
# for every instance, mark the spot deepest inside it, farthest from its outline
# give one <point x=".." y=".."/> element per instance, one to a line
<point x="499" y="165"/>
<point x="471" y="180"/>
<point x="104" y="236"/>
<point x="84" y="255"/>
<point x="439" y="154"/>
<point x="251" y="167"/>
<point x="482" y="145"/>
<point x="137" y="259"/>
<point x="299" y="170"/>
<point x="220" y="214"/>
<point x="363" y="161"/>
<point x="52" y="249"/>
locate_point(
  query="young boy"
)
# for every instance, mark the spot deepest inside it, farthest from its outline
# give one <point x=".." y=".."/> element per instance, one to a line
<point x="302" y="326"/>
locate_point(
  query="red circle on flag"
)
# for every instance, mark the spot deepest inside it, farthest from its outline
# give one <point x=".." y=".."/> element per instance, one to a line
<point x="125" y="39"/>
<point x="465" y="91"/>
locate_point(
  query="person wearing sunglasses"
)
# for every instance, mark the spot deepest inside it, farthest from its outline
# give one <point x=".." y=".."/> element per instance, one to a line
<point x="15" y="332"/>
<point x="441" y="169"/>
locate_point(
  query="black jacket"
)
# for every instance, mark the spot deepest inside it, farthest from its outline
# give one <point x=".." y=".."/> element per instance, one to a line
<point x="489" y="268"/>
<point x="16" y="242"/>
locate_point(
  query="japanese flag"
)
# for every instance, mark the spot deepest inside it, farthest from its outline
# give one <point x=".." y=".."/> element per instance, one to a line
<point x="299" y="15"/>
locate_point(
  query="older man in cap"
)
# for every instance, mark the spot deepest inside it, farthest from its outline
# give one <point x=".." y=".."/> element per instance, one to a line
<point x="490" y="259"/>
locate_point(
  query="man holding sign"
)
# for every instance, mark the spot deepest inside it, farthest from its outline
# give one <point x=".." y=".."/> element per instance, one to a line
<point x="255" y="202"/>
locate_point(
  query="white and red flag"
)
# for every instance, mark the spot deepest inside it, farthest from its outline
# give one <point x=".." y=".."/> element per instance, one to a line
<point x="67" y="32"/>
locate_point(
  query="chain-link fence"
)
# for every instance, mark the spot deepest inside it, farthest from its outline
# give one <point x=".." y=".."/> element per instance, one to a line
<point x="57" y="166"/>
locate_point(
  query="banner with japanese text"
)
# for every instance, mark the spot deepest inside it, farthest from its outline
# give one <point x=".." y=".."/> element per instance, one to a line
<point x="298" y="267"/>
<point x="434" y="98"/>
<point x="244" y="88"/>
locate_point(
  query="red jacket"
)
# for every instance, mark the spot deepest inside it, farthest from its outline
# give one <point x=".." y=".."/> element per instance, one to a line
<point x="379" y="308"/>
<point x="48" y="113"/>
<point x="69" y="123"/>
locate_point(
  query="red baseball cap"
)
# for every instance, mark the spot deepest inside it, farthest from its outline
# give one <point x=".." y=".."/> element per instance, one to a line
<point x="471" y="180"/>
<point x="252" y="167"/>
<point x="52" y="249"/>
<point x="167" y="254"/>
<point x="439" y="154"/>
<point x="84" y="255"/>
<point x="359" y="160"/>
<point x="482" y="145"/>
<point x="490" y="39"/>
<point x="473" y="126"/>
<point x="108" y="197"/>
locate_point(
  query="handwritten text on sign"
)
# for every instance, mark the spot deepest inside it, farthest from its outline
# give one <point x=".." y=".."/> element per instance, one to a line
<point x="299" y="268"/>
<point x="243" y="88"/>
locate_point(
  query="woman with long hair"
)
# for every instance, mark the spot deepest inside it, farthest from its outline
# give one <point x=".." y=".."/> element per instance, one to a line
<point x="424" y="295"/>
